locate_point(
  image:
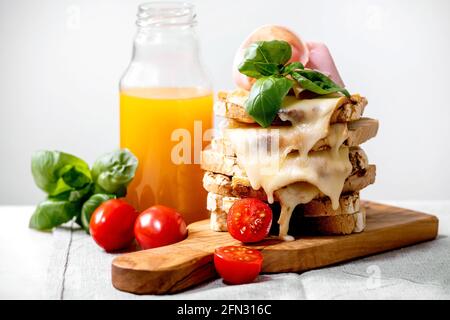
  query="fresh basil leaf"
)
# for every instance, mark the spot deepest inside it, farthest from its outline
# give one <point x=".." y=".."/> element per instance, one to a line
<point x="72" y="177"/>
<point x="266" y="97"/>
<point x="317" y="82"/>
<point x="289" y="68"/>
<point x="113" y="172"/>
<point x="51" y="213"/>
<point x="89" y="207"/>
<point x="75" y="195"/>
<point x="59" y="173"/>
<point x="80" y="194"/>
<point x="265" y="58"/>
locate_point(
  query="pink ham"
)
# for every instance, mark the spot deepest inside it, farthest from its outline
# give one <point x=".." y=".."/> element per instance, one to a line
<point x="320" y="59"/>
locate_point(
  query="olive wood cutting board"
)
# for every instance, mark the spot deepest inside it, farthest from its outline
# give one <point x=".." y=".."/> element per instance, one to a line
<point x="187" y="263"/>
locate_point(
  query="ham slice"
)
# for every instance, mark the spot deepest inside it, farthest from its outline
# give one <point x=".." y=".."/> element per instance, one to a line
<point x="320" y="59"/>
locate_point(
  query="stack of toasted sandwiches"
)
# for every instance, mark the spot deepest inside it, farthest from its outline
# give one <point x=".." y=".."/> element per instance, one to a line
<point x="308" y="165"/>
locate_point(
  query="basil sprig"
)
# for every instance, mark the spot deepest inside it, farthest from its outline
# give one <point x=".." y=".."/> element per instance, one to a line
<point x="73" y="189"/>
<point x="266" y="61"/>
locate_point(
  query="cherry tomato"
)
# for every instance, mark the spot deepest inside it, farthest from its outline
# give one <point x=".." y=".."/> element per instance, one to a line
<point x="112" y="223"/>
<point x="237" y="265"/>
<point x="249" y="220"/>
<point x="159" y="226"/>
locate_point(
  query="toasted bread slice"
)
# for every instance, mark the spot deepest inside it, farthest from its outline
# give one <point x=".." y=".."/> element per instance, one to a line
<point x="217" y="162"/>
<point x="321" y="207"/>
<point x="218" y="221"/>
<point x="240" y="186"/>
<point x="336" y="225"/>
<point x="231" y="105"/>
<point x="359" y="131"/>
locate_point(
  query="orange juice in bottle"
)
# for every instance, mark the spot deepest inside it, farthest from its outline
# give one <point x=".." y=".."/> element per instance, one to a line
<point x="166" y="111"/>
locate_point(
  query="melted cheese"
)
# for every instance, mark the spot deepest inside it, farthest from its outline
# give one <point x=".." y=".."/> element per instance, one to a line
<point x="310" y="120"/>
<point x="290" y="197"/>
<point x="279" y="160"/>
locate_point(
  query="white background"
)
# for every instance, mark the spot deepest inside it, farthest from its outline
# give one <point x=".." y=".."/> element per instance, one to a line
<point x="60" y="63"/>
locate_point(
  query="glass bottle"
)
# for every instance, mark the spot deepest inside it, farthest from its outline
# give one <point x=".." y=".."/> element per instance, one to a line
<point x="166" y="107"/>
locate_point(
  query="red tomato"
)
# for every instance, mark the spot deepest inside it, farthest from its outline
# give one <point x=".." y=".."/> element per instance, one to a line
<point x="237" y="265"/>
<point x="112" y="223"/>
<point x="159" y="226"/>
<point x="249" y="220"/>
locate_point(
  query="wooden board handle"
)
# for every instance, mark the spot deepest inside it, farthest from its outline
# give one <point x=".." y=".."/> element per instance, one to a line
<point x="171" y="268"/>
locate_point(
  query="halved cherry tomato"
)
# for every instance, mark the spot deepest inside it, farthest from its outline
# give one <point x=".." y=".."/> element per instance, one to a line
<point x="237" y="265"/>
<point x="159" y="226"/>
<point x="112" y="223"/>
<point x="249" y="220"/>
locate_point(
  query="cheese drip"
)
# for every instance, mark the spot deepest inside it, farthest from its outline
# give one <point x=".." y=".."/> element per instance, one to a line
<point x="290" y="197"/>
<point x="278" y="158"/>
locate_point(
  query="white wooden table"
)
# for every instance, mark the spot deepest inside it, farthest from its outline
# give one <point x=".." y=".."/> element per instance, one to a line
<point x="66" y="264"/>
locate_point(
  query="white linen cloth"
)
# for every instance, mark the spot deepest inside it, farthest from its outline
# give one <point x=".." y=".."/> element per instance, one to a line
<point x="81" y="270"/>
